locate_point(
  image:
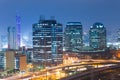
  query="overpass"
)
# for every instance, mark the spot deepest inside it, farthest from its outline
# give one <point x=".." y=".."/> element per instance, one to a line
<point x="89" y="73"/>
<point x="80" y="70"/>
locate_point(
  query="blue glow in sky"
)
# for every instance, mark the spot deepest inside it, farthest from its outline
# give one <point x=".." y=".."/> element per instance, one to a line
<point x="85" y="11"/>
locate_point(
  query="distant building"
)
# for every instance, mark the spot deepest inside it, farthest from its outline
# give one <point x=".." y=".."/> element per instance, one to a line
<point x="20" y="62"/>
<point x="12" y="38"/>
<point x="118" y="35"/>
<point x="22" y="50"/>
<point x="10" y="59"/>
<point x="4" y="42"/>
<point x="2" y="60"/>
<point x="47" y="42"/>
<point x="13" y="60"/>
<point x="97" y="35"/>
<point x="73" y="36"/>
<point x="29" y="54"/>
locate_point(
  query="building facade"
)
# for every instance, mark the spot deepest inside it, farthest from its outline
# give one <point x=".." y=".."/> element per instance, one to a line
<point x="118" y="35"/>
<point x="15" y="60"/>
<point x="12" y="38"/>
<point x="20" y="62"/>
<point x="10" y="60"/>
<point x="2" y="60"/>
<point x="47" y="42"/>
<point x="97" y="36"/>
<point x="29" y="54"/>
<point x="73" y="36"/>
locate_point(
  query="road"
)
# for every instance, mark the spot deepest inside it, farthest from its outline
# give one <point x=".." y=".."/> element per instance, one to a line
<point x="58" y="72"/>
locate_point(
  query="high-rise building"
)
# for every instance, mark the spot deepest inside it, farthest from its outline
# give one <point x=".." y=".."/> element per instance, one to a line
<point x="73" y="36"/>
<point x="18" y="30"/>
<point x="97" y="35"/>
<point x="29" y="54"/>
<point x="47" y="42"/>
<point x="12" y="38"/>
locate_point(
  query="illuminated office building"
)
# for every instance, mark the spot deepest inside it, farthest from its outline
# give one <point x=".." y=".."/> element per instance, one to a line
<point x="73" y="36"/>
<point x="47" y="42"/>
<point x="97" y="35"/>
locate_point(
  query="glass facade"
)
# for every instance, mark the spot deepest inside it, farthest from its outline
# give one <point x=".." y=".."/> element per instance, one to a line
<point x="2" y="60"/>
<point x="73" y="36"/>
<point x="97" y="37"/>
<point x="29" y="54"/>
<point x="12" y="38"/>
<point x="17" y="62"/>
<point x="47" y="41"/>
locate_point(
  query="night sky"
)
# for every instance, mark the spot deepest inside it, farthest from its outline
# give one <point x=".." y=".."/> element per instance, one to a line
<point x="85" y="11"/>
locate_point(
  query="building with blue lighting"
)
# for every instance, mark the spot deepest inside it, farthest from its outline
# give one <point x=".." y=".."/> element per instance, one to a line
<point x="97" y="36"/>
<point x="73" y="36"/>
<point x="47" y="42"/>
<point x="2" y="60"/>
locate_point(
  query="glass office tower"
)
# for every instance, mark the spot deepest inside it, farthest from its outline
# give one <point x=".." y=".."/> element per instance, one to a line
<point x="73" y="36"/>
<point x="47" y="42"/>
<point x="97" y="35"/>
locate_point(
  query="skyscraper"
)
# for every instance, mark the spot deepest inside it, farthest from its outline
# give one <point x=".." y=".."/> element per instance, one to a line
<point x="12" y="38"/>
<point x="47" y="42"/>
<point x="18" y="30"/>
<point x="97" y="35"/>
<point x="73" y="36"/>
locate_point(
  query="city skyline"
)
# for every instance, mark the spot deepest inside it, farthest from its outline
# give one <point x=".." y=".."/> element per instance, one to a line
<point x="60" y="39"/>
<point x="83" y="11"/>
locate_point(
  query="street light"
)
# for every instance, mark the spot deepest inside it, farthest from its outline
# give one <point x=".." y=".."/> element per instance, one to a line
<point x="58" y="74"/>
<point x="47" y="73"/>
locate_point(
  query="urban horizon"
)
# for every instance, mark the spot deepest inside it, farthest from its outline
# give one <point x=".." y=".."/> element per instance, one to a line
<point x="26" y="40"/>
<point x="79" y="41"/>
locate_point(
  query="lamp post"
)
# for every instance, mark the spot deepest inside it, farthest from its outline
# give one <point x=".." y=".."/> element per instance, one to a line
<point x="59" y="74"/>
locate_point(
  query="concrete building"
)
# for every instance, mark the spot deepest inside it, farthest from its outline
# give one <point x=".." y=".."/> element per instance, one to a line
<point x="13" y="60"/>
<point x="10" y="59"/>
<point x="20" y="62"/>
